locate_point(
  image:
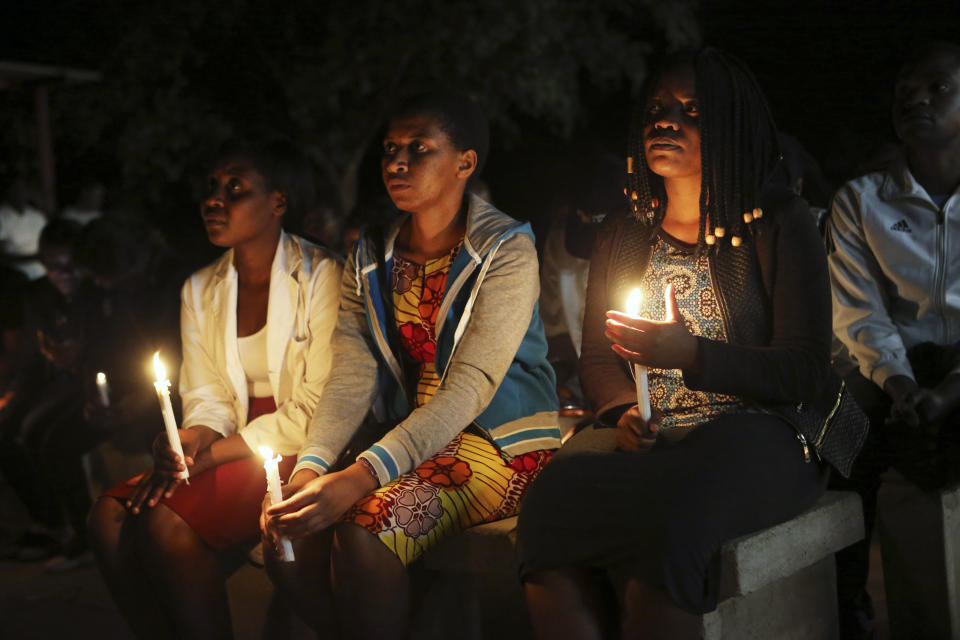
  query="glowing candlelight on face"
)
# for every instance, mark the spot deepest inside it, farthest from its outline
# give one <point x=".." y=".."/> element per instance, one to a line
<point x="162" y="385"/>
<point x="639" y="371"/>
<point x="271" y="466"/>
<point x="103" y="389"/>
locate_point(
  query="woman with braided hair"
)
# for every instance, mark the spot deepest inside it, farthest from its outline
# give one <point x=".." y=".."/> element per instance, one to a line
<point x="734" y="326"/>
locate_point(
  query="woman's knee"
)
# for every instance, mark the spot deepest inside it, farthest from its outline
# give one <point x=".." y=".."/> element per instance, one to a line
<point x="164" y="534"/>
<point x="355" y="550"/>
<point x="311" y="568"/>
<point x="105" y="522"/>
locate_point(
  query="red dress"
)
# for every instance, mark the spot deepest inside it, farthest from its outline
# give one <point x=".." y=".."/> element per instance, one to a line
<point x="222" y="504"/>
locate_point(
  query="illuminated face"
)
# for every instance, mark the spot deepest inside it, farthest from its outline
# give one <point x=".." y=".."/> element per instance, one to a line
<point x="238" y="207"/>
<point x="671" y="129"/>
<point x="421" y="168"/>
<point x="926" y="102"/>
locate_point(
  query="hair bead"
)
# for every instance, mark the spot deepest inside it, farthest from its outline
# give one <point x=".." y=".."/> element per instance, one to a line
<point x="719" y="232"/>
<point x="633" y="196"/>
<point x="629" y="164"/>
<point x="710" y="239"/>
<point x="735" y="241"/>
<point x="757" y="213"/>
<point x="748" y="217"/>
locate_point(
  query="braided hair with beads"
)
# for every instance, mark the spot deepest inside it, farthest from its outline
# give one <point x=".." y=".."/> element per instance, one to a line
<point x="738" y="149"/>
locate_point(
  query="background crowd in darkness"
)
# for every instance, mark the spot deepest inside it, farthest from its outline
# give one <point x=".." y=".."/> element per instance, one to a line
<point x="557" y="79"/>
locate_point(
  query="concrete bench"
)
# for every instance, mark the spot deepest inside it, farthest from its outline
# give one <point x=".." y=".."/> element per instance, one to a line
<point x="920" y="544"/>
<point x="781" y="582"/>
<point x="776" y="583"/>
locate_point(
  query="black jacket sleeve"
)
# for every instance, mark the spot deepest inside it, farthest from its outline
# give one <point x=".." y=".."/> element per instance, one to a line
<point x="794" y="365"/>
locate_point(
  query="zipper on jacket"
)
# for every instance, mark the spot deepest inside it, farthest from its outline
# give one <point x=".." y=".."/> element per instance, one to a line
<point x="382" y="341"/>
<point x="468" y="308"/>
<point x="721" y="301"/>
<point x="806" y="447"/>
<point x="940" y="293"/>
<point x="833" y="410"/>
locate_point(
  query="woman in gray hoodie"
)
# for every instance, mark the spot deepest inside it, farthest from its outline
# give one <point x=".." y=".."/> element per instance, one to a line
<point x="439" y="328"/>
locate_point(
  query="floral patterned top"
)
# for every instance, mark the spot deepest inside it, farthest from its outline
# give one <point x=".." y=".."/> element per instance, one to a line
<point x="676" y="262"/>
<point x="417" y="293"/>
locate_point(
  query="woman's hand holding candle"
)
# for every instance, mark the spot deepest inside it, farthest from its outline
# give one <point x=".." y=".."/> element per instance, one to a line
<point x="275" y="494"/>
<point x="163" y="479"/>
<point x="320" y="502"/>
<point x="662" y="344"/>
<point x="636" y="434"/>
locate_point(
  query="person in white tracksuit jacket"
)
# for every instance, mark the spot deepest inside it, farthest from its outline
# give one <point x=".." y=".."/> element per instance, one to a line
<point x="893" y="242"/>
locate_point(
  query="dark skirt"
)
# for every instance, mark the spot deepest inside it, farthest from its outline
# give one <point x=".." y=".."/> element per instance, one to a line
<point x="661" y="517"/>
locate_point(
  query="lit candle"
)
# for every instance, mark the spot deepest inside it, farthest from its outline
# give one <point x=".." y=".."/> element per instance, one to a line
<point x="270" y="465"/>
<point x="103" y="388"/>
<point x="162" y="386"/>
<point x="639" y="371"/>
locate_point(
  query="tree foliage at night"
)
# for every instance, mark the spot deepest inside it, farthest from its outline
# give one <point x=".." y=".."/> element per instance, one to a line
<point x="180" y="77"/>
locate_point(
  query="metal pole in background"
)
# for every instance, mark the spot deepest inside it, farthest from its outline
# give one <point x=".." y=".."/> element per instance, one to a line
<point x="48" y="171"/>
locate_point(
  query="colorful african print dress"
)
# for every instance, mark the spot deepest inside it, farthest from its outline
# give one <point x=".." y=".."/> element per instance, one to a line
<point x="673" y="262"/>
<point x="470" y="480"/>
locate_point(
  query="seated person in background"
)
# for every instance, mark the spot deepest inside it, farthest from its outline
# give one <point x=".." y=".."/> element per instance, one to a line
<point x="139" y="282"/>
<point x="125" y="257"/>
<point x="256" y="327"/>
<point x="597" y="192"/>
<point x="43" y="458"/>
<point x="439" y="323"/>
<point x="20" y="226"/>
<point x="12" y="352"/>
<point x="88" y="205"/>
<point x="735" y="328"/>
<point x="36" y="536"/>
<point x="13" y="349"/>
<point x="893" y="239"/>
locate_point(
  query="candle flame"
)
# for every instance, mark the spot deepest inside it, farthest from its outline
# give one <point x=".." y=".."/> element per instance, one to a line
<point x="266" y="452"/>
<point x="101" y="378"/>
<point x="159" y="368"/>
<point x="633" y="302"/>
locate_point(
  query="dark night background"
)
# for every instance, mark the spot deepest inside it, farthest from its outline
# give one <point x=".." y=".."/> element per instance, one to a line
<point x="555" y="77"/>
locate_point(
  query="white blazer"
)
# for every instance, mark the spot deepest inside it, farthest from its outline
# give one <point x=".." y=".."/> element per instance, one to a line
<point x="301" y="314"/>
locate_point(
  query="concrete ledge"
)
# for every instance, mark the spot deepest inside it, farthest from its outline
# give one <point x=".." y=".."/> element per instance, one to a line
<point x="757" y="559"/>
<point x="800" y="606"/>
<point x="950" y="508"/>
<point x="920" y="544"/>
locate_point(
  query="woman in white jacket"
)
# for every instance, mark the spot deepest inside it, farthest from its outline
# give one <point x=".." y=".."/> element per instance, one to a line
<point x="256" y="327"/>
